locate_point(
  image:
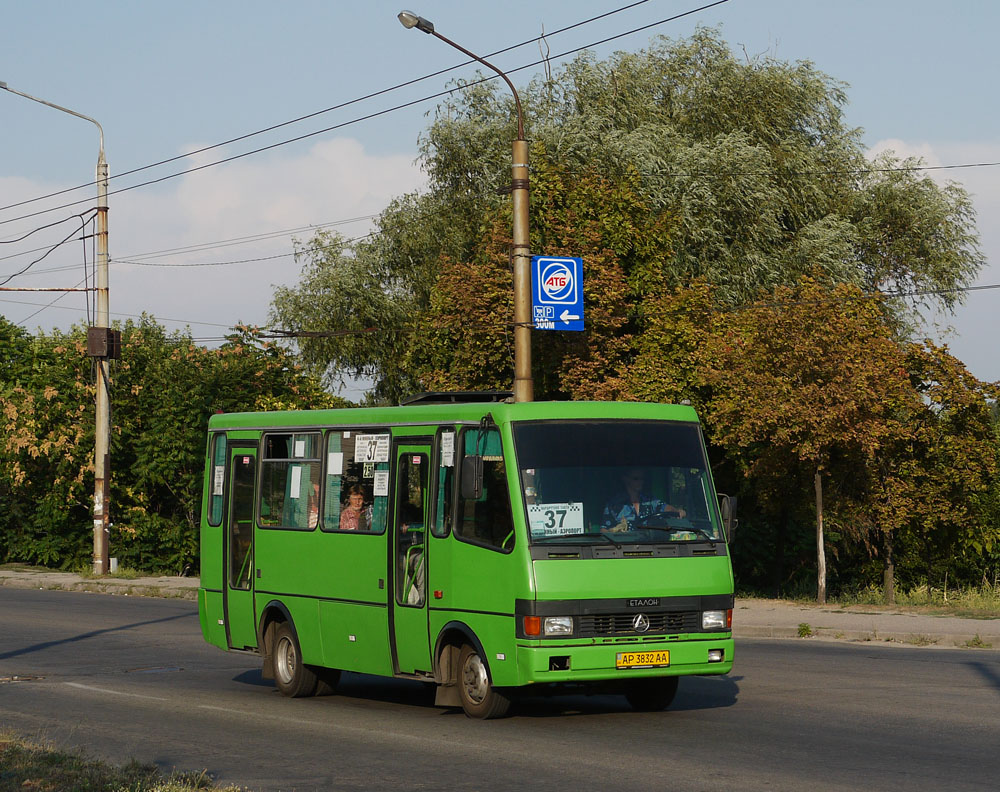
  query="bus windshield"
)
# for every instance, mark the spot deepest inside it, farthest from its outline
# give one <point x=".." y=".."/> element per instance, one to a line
<point x="627" y="481"/>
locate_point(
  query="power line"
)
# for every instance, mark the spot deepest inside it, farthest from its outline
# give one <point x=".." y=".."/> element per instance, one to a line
<point x="376" y="114"/>
<point x="338" y="106"/>
<point x="61" y="242"/>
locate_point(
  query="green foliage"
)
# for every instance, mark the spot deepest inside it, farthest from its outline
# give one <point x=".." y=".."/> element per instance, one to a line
<point x="676" y="164"/>
<point x="163" y="390"/>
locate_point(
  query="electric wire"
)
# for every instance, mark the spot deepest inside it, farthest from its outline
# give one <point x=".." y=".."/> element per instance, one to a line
<point x="340" y="106"/>
<point x="58" y="244"/>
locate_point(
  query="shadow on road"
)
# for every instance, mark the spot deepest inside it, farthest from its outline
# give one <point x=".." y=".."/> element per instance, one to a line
<point x="694" y="694"/>
<point x="40" y="647"/>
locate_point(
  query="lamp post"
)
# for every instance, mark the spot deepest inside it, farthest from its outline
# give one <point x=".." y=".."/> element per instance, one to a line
<point x="102" y="467"/>
<point x="523" y="383"/>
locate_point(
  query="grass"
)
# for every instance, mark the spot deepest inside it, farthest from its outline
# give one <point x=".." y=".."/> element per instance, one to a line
<point x="805" y="631"/>
<point x="30" y="767"/>
<point x="982" y="602"/>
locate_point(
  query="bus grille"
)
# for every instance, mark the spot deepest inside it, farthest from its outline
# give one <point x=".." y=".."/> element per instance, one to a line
<point x="622" y="623"/>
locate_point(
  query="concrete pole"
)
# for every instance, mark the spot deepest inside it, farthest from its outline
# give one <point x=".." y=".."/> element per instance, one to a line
<point x="102" y="463"/>
<point x="524" y="388"/>
<point x="102" y="457"/>
<point x="523" y="382"/>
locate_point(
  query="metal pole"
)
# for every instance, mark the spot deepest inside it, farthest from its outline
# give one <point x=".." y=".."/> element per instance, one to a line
<point x="102" y="431"/>
<point x="521" y="255"/>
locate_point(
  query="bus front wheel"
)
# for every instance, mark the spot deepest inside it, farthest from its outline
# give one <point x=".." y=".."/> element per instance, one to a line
<point x="651" y="695"/>
<point x="479" y="698"/>
<point x="291" y="675"/>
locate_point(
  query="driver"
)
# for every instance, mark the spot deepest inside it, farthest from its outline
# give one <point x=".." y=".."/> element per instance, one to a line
<point x="632" y="504"/>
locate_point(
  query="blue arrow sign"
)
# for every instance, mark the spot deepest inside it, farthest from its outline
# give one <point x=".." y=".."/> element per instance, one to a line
<point x="556" y="293"/>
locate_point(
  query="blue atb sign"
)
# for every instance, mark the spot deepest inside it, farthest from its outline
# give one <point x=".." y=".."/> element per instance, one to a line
<point x="556" y="293"/>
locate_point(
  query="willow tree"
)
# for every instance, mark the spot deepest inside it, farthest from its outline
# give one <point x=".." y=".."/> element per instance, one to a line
<point x="750" y="160"/>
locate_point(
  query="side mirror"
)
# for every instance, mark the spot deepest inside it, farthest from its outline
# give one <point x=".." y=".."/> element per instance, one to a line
<point x="727" y="506"/>
<point x="472" y="477"/>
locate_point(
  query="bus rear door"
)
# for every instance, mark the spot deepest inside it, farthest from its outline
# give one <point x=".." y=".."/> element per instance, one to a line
<point x="241" y="629"/>
<point x="409" y="557"/>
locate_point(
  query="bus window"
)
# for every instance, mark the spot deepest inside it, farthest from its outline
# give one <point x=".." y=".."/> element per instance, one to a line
<point x="637" y="482"/>
<point x="487" y="519"/>
<point x="445" y="484"/>
<point x="218" y="479"/>
<point x="356" y="494"/>
<point x="290" y="469"/>
<point x="410" y="510"/>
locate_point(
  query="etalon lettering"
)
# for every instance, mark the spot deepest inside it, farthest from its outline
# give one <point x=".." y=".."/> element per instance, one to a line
<point x="643" y="603"/>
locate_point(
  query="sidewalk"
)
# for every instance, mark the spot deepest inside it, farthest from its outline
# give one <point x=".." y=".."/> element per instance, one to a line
<point x="752" y="618"/>
<point x="35" y="578"/>
<point x="762" y="618"/>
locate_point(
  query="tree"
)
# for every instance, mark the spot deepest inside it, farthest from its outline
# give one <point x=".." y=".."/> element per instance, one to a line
<point x="809" y="378"/>
<point x="164" y="388"/>
<point x="748" y="162"/>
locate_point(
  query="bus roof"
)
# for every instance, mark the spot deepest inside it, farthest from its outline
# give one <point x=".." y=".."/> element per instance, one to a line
<point x="456" y="413"/>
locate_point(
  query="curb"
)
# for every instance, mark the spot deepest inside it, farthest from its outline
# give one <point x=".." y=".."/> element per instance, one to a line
<point x="938" y="640"/>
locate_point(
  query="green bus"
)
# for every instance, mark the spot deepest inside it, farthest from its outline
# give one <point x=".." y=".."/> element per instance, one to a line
<point x="482" y="546"/>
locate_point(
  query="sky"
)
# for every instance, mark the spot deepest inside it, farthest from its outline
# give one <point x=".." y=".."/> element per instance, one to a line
<point x="204" y="245"/>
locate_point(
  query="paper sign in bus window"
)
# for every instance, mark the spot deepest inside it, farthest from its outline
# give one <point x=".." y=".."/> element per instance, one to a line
<point x="335" y="463"/>
<point x="555" y="519"/>
<point x="381" y="483"/>
<point x="371" y="448"/>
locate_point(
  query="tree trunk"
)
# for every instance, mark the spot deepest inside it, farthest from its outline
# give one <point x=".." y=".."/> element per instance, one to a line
<point x="889" y="575"/>
<point x="820" y="549"/>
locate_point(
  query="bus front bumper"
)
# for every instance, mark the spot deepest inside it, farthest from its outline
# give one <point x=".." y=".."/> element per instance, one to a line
<point x="544" y="662"/>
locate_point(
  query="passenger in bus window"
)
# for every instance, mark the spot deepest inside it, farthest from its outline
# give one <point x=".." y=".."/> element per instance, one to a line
<point x="314" y="506"/>
<point x="634" y="503"/>
<point x="353" y="518"/>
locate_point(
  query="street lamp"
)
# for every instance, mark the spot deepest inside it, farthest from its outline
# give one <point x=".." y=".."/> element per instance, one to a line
<point x="102" y="465"/>
<point x="523" y="384"/>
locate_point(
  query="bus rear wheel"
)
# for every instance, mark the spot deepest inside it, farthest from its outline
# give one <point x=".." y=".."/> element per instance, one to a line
<point x="479" y="698"/>
<point x="291" y="676"/>
<point x="651" y="695"/>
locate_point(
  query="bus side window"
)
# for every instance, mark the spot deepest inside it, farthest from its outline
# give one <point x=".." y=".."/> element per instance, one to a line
<point x="289" y="496"/>
<point x="355" y="492"/>
<point x="218" y="479"/>
<point x="445" y="484"/>
<point x="487" y="520"/>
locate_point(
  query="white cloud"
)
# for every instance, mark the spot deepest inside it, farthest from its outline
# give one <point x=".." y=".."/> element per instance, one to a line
<point x="331" y="181"/>
<point x="971" y="332"/>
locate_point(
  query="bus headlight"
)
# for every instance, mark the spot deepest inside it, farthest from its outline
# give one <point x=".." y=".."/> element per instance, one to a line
<point x="713" y="620"/>
<point x="558" y="625"/>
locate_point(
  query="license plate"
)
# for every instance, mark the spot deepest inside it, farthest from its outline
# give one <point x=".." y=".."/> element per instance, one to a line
<point x="642" y="659"/>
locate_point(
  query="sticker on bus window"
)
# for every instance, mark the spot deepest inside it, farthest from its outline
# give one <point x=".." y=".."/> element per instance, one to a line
<point x="295" y="487"/>
<point x="555" y="519"/>
<point x="300" y="449"/>
<point x="371" y="448"/>
<point x="219" y="480"/>
<point x="448" y="449"/>
<point x="335" y="463"/>
<point x="381" y="483"/>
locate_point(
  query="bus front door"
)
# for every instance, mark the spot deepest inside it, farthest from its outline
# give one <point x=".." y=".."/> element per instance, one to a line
<point x="241" y="628"/>
<point x="411" y="649"/>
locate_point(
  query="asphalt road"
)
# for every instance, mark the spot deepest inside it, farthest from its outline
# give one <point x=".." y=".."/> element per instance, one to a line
<point x="131" y="677"/>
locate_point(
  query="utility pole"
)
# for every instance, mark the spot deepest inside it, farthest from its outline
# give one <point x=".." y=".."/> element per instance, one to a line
<point x="102" y="344"/>
<point x="521" y="255"/>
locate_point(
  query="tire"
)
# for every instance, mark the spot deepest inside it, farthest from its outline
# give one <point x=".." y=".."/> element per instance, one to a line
<point x="291" y="676"/>
<point x="651" y="694"/>
<point x="480" y="699"/>
<point x="328" y="679"/>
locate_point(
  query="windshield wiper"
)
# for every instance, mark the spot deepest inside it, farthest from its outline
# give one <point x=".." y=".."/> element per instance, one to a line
<point x="711" y="540"/>
<point x="599" y="535"/>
